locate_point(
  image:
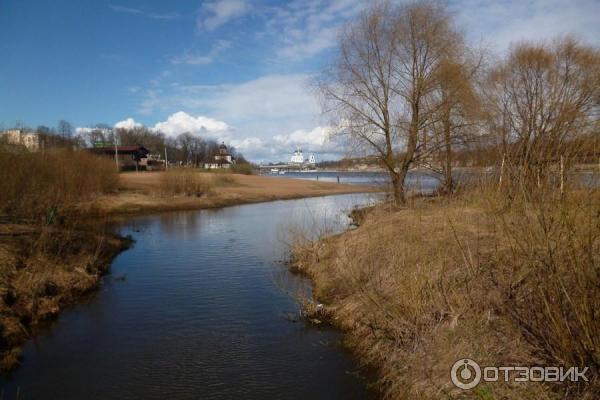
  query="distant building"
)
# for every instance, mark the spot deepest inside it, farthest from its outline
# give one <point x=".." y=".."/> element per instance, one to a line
<point x="20" y="137"/>
<point x="222" y="160"/>
<point x="299" y="160"/>
<point x="129" y="157"/>
<point x="297" y="157"/>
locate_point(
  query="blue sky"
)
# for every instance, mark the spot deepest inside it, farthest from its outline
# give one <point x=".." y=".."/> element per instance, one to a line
<point x="236" y="70"/>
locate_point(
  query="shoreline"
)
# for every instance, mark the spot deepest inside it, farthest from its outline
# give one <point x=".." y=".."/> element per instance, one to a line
<point x="431" y="283"/>
<point x="139" y="193"/>
<point x="51" y="269"/>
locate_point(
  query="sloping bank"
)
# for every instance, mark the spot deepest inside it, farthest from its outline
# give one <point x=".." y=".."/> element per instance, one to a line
<point x="49" y="265"/>
<point x="503" y="282"/>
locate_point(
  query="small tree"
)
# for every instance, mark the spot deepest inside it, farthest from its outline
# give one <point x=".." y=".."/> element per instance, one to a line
<point x="64" y="129"/>
<point x="458" y="109"/>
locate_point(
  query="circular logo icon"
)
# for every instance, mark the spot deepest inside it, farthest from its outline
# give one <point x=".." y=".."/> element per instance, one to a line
<point x="465" y="374"/>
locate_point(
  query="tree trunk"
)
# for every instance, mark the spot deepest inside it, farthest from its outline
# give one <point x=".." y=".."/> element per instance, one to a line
<point x="398" y="187"/>
<point x="448" y="181"/>
<point x="407" y="160"/>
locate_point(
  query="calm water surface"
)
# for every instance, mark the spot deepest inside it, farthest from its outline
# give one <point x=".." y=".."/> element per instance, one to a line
<point x="417" y="181"/>
<point x="195" y="310"/>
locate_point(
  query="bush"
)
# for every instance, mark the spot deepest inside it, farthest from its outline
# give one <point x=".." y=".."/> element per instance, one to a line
<point x="38" y="185"/>
<point x="186" y="182"/>
<point x="244" y="168"/>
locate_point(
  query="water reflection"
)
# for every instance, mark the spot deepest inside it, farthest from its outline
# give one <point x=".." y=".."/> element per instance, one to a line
<point x="201" y="314"/>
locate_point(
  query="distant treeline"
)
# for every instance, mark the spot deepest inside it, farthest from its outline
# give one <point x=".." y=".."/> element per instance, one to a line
<point x="185" y="148"/>
<point x="586" y="150"/>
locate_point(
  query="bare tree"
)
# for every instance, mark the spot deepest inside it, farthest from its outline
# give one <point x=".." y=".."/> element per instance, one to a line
<point x="64" y="129"/>
<point x="544" y="96"/>
<point x="387" y="69"/>
<point x="458" y="107"/>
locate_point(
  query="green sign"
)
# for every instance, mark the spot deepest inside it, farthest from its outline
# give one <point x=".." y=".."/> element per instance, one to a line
<point x="100" y="143"/>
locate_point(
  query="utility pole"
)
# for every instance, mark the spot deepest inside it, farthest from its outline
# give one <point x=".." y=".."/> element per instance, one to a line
<point x="116" y="153"/>
<point x="166" y="160"/>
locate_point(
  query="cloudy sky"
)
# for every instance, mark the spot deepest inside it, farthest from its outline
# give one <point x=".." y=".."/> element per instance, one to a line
<point x="234" y="70"/>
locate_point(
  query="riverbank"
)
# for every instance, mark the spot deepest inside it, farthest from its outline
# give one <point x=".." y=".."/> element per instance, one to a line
<point x="480" y="276"/>
<point x="45" y="267"/>
<point x="141" y="193"/>
<point x="44" y="270"/>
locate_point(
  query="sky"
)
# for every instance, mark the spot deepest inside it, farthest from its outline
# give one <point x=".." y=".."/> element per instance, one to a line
<point x="238" y="71"/>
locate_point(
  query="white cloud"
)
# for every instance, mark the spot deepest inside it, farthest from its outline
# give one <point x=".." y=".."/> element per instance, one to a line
<point x="140" y="12"/>
<point x="280" y="147"/>
<point x="128" y="123"/>
<point x="182" y="122"/>
<point x="501" y="23"/>
<point x="252" y="147"/>
<point x="314" y="140"/>
<point x="276" y="100"/>
<point x="82" y="130"/>
<point x="271" y="96"/>
<point x="260" y="109"/>
<point x="219" y="12"/>
<point x="305" y="29"/>
<point x="202" y="59"/>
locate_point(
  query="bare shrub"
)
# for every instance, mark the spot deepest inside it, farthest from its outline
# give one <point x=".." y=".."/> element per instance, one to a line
<point x="186" y="182"/>
<point x="543" y="99"/>
<point x="243" y="168"/>
<point x="548" y="277"/>
<point x="38" y="185"/>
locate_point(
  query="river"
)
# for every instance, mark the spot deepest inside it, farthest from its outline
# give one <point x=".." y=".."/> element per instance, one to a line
<point x="417" y="181"/>
<point x="199" y="307"/>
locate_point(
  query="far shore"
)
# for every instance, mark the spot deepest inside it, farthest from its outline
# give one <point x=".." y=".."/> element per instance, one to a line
<point x="140" y="193"/>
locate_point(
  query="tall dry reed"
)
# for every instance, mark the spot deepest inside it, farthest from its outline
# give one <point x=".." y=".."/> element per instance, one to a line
<point x="38" y="185"/>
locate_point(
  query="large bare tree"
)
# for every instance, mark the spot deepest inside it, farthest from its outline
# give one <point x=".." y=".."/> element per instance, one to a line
<point x="387" y="69"/>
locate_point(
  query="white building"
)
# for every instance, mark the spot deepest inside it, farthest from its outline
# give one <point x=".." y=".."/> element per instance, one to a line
<point x="222" y="160"/>
<point x="297" y="157"/>
<point x="312" y="159"/>
<point x="30" y="140"/>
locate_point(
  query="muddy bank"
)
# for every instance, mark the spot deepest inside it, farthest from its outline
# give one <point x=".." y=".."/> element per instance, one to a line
<point x="44" y="270"/>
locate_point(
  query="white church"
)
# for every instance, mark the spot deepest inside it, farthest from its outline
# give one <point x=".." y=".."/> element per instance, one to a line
<point x="298" y="158"/>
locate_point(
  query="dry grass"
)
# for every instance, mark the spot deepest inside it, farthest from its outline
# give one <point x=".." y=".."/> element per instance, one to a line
<point x="143" y="192"/>
<point x="186" y="182"/>
<point x="36" y="185"/>
<point x="505" y="280"/>
<point x="42" y="270"/>
<point x="49" y="255"/>
<point x="192" y="183"/>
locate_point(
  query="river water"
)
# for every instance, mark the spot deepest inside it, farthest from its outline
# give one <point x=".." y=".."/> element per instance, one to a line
<point x="198" y="308"/>
<point x="416" y="181"/>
